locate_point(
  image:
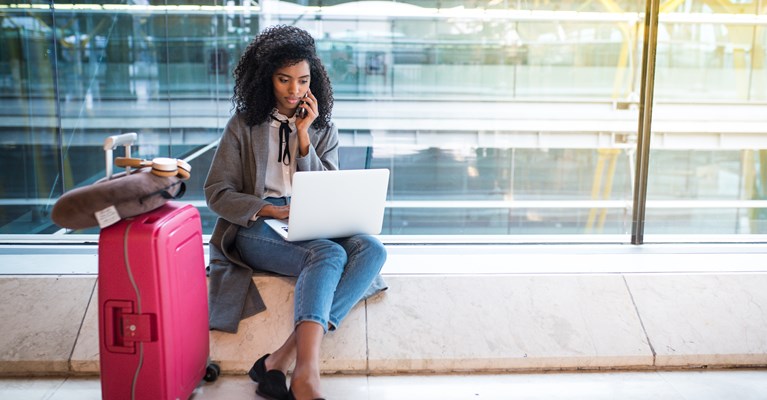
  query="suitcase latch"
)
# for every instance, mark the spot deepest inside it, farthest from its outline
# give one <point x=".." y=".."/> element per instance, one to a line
<point x="139" y="327"/>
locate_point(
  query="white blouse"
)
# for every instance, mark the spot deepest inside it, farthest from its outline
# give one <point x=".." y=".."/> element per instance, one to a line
<point x="278" y="175"/>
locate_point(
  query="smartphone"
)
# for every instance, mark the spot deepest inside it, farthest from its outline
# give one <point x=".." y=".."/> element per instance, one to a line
<point x="301" y="112"/>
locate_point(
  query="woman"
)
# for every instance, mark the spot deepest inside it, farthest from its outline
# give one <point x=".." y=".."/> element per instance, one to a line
<point x="283" y="102"/>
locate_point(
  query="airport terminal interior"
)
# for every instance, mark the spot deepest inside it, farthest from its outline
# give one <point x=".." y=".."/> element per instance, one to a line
<point x="576" y="206"/>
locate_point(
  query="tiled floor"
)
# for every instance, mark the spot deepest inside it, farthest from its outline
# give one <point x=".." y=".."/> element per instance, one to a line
<point x="676" y="385"/>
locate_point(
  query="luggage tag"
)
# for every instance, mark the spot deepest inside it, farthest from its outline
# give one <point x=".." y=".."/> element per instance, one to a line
<point x="106" y="217"/>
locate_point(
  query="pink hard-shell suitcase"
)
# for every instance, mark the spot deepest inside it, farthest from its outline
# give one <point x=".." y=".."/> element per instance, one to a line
<point x="153" y="309"/>
<point x="153" y="300"/>
<point x="153" y="303"/>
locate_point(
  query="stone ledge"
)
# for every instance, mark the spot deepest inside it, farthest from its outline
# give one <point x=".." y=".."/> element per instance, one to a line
<point x="42" y="317"/>
<point x="442" y="323"/>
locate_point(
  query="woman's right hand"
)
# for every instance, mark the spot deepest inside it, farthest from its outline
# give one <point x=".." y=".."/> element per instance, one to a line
<point x="272" y="211"/>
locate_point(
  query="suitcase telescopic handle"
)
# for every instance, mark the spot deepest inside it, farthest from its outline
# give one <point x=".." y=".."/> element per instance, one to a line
<point x="112" y="142"/>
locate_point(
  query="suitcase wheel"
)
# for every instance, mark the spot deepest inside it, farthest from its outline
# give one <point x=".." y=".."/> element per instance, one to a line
<point x="212" y="372"/>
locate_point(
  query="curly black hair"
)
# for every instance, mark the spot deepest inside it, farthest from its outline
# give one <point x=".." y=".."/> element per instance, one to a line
<point x="276" y="47"/>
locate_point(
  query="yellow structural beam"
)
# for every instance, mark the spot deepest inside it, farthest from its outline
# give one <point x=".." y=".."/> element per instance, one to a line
<point x="670" y="5"/>
<point x="605" y="169"/>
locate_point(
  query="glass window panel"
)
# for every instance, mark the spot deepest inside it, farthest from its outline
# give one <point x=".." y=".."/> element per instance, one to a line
<point x="701" y="221"/>
<point x="704" y="61"/>
<point x="575" y="59"/>
<point x="759" y="74"/>
<point x="518" y="221"/>
<point x="29" y="153"/>
<point x="491" y="122"/>
<point x="706" y="164"/>
<point x="544" y="191"/>
<point x="342" y="52"/>
<point x="553" y="5"/>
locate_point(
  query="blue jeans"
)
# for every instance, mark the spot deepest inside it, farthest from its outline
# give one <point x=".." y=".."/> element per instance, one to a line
<point x="333" y="274"/>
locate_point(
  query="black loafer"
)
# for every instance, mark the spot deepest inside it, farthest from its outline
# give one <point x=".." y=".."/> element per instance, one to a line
<point x="272" y="384"/>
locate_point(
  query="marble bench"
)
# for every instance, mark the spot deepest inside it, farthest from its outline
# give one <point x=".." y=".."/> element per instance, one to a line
<point x="474" y="320"/>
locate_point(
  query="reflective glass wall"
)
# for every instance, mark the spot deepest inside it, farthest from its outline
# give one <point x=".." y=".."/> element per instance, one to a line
<point x="707" y="165"/>
<point x="498" y="119"/>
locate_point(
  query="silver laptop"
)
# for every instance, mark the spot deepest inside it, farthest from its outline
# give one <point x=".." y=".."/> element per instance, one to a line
<point x="333" y="204"/>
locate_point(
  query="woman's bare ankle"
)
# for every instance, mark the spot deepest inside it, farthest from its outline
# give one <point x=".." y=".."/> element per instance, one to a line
<point x="305" y="383"/>
<point x="278" y="362"/>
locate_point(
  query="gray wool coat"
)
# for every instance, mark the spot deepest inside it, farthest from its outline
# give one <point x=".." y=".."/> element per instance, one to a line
<point x="234" y="190"/>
